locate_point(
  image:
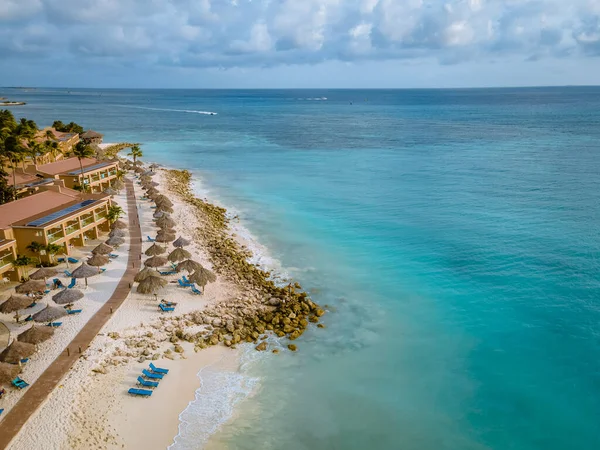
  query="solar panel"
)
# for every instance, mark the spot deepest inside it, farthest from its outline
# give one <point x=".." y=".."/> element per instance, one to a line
<point x="90" y="168"/>
<point x="55" y="215"/>
<point x="44" y="181"/>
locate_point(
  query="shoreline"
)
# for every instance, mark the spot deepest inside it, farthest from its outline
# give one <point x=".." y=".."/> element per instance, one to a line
<point x="188" y="342"/>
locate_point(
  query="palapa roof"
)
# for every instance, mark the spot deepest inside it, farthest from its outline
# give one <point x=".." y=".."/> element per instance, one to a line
<point x="117" y="233"/>
<point x="145" y="273"/>
<point x="110" y="191"/>
<point x="90" y="134"/>
<point x="14" y="303"/>
<point x="118" y="224"/>
<point x="98" y="260"/>
<point x="67" y="296"/>
<point x="8" y="372"/>
<point x="181" y="242"/>
<point x="17" y="351"/>
<point x="202" y="277"/>
<point x="189" y="266"/>
<point x="179" y="254"/>
<point x="115" y="241"/>
<point x="164" y="208"/>
<point x="50" y="313"/>
<point x="158" y="214"/>
<point x="151" y="285"/>
<point x="155" y="261"/>
<point x="31" y="286"/>
<point x="154" y="250"/>
<point x="163" y="236"/>
<point x="43" y="273"/>
<point x="84" y="271"/>
<point x="166" y="222"/>
<point x="102" y="249"/>
<point x="36" y="335"/>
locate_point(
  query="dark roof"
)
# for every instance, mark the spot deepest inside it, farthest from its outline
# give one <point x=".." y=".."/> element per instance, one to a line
<point x="90" y="134"/>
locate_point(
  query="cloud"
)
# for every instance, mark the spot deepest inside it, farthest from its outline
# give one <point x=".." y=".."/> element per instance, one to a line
<point x="245" y="33"/>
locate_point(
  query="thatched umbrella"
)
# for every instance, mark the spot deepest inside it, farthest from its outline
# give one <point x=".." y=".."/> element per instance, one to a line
<point x="110" y="191"/>
<point x="102" y="249"/>
<point x="181" y="242"/>
<point x="155" y="261"/>
<point x="154" y="250"/>
<point x="145" y="273"/>
<point x="118" y="185"/>
<point x="67" y="296"/>
<point x="50" y="313"/>
<point x="164" y="237"/>
<point x="31" y="286"/>
<point x="164" y="208"/>
<point x="115" y="241"/>
<point x="117" y="233"/>
<point x="17" y="351"/>
<point x="118" y="224"/>
<point x="179" y="254"/>
<point x="14" y="303"/>
<point x="166" y="222"/>
<point x="139" y="170"/>
<point x="152" y="191"/>
<point x="84" y="271"/>
<point x="189" y="266"/>
<point x="150" y="285"/>
<point x="159" y="214"/>
<point x="154" y="166"/>
<point x="36" y="335"/>
<point x="202" y="277"/>
<point x="98" y="260"/>
<point x="43" y="273"/>
<point x="167" y="230"/>
<point x="8" y="372"/>
<point x="161" y="200"/>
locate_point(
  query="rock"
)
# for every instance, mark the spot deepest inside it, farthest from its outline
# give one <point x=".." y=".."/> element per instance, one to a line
<point x="146" y="352"/>
<point x="213" y="340"/>
<point x="178" y="348"/>
<point x="141" y="359"/>
<point x="217" y="322"/>
<point x="101" y="370"/>
<point x="320" y="325"/>
<point x="169" y="329"/>
<point x="169" y="356"/>
<point x="114" y="335"/>
<point x="274" y="301"/>
<point x="295" y="335"/>
<point x="319" y="312"/>
<point x="173" y="339"/>
<point x="227" y="343"/>
<point x="292" y="347"/>
<point x="275" y="350"/>
<point x="230" y="327"/>
<point x="313" y="319"/>
<point x="261" y="347"/>
<point x="292" y="316"/>
<point x="156" y="356"/>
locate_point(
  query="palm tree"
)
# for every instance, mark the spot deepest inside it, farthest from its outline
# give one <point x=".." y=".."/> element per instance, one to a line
<point x="22" y="261"/>
<point x="53" y="249"/>
<point x="81" y="151"/>
<point x="34" y="150"/>
<point x="14" y="152"/>
<point x="114" y="213"/>
<point x="36" y="248"/>
<point x="52" y="148"/>
<point x="136" y="152"/>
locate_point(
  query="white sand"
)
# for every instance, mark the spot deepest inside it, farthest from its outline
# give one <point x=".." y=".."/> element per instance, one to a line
<point x="93" y="410"/>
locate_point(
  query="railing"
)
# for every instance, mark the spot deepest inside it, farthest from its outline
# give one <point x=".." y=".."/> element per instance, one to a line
<point x="87" y="221"/>
<point x="55" y="236"/>
<point x="5" y="261"/>
<point x="112" y="173"/>
<point x="71" y="229"/>
<point x="100" y="215"/>
<point x="95" y="178"/>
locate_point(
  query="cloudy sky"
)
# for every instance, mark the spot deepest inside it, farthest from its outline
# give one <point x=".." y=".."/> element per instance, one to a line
<point x="299" y="43"/>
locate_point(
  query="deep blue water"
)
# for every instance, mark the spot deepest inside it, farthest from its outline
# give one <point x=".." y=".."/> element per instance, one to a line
<point x="453" y="233"/>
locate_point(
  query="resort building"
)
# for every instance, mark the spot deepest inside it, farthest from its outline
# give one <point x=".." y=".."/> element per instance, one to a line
<point x="91" y="137"/>
<point x="55" y="215"/>
<point x="97" y="175"/>
<point x="65" y="141"/>
<point x="26" y="183"/>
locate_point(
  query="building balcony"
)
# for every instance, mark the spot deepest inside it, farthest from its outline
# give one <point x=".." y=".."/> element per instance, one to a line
<point x="72" y="229"/>
<point x="85" y="222"/>
<point x="100" y="216"/>
<point x="6" y="261"/>
<point x="53" y="237"/>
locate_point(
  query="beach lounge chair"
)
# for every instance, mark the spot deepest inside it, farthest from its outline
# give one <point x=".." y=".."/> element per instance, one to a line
<point x="153" y="207"/>
<point x="72" y="260"/>
<point x="72" y="283"/>
<point x="153" y="368"/>
<point x="174" y="266"/>
<point x="103" y="269"/>
<point x="185" y="280"/>
<point x="61" y="260"/>
<point x="166" y="303"/>
<point x="142" y="392"/>
<point x="195" y="290"/>
<point x="169" y="272"/>
<point x="29" y="318"/>
<point x="154" y="376"/>
<point x="19" y="383"/>
<point x="147" y="383"/>
<point x="165" y="308"/>
<point x="55" y="324"/>
<point x="24" y="360"/>
<point x="1" y="411"/>
<point x="67" y="273"/>
<point x="150" y="239"/>
<point x="182" y="284"/>
<point x="113" y="255"/>
<point x="32" y="305"/>
<point x="74" y="311"/>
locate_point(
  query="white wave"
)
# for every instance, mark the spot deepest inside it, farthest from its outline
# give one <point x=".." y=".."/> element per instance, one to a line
<point x="191" y="111"/>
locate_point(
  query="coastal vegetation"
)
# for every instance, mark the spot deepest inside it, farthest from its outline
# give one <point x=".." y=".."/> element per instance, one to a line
<point x="114" y="213"/>
<point x="112" y="150"/>
<point x="70" y="127"/>
<point x="135" y="153"/>
<point x="82" y="151"/>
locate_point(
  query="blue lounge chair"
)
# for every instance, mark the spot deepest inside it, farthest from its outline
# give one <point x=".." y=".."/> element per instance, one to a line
<point x="169" y="272"/>
<point x="29" y="318"/>
<point x="185" y="280"/>
<point x="74" y="311"/>
<point x="32" y="305"/>
<point x="174" y="266"/>
<point x="61" y="260"/>
<point x="72" y="260"/>
<point x="24" y="360"/>
<point x="153" y="207"/>
<point x="142" y="392"/>
<point x="153" y="368"/>
<point x="150" y="239"/>
<point x="166" y="308"/>
<point x="113" y="255"/>
<point x="147" y="383"/>
<point x="103" y="269"/>
<point x="196" y="290"/>
<point x="1" y="411"/>
<point x="46" y="291"/>
<point x="72" y="283"/>
<point x="19" y="383"/>
<point x="155" y="376"/>
<point x="55" y="324"/>
<point x="182" y="284"/>
<point x="67" y="273"/>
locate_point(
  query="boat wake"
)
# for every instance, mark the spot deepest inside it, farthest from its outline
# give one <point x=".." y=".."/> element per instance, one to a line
<point x="190" y="111"/>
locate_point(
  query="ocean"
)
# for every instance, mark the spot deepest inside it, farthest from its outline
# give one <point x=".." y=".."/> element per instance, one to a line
<point x="452" y="234"/>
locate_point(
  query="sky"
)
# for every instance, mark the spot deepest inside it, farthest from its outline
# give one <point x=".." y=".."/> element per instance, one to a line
<point x="299" y="43"/>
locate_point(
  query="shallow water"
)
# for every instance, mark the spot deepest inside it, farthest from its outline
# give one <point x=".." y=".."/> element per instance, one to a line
<point x="452" y="232"/>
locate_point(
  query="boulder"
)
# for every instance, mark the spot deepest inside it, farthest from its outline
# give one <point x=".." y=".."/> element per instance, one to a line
<point x="261" y="347"/>
<point x="292" y="347"/>
<point x="178" y="348"/>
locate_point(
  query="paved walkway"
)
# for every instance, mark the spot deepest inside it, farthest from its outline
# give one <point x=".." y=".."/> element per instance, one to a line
<point x="37" y="393"/>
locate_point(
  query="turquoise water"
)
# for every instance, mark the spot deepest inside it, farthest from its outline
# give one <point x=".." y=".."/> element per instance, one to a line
<point x="453" y="234"/>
